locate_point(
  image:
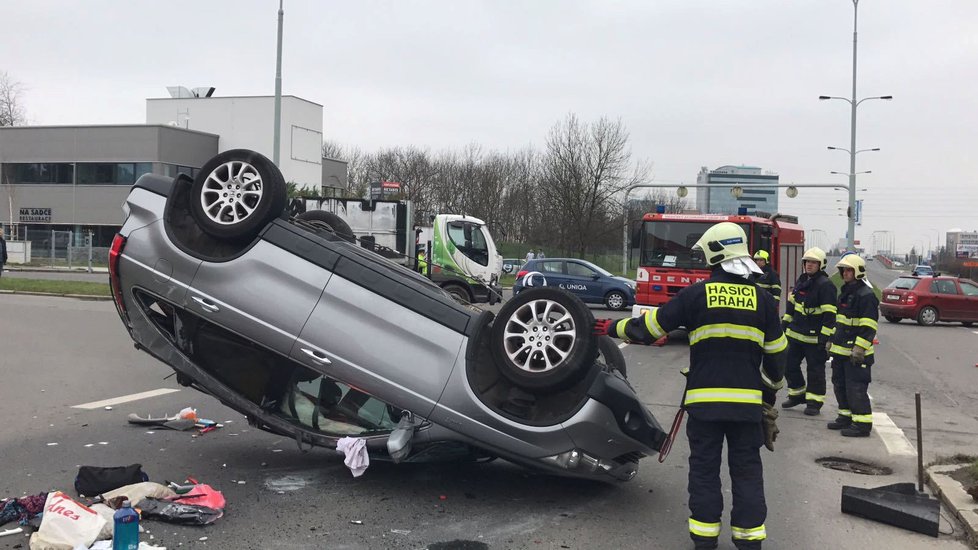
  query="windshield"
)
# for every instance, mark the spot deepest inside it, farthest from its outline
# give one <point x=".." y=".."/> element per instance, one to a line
<point x="905" y="283"/>
<point x="924" y="269"/>
<point x="469" y="240"/>
<point x="670" y="243"/>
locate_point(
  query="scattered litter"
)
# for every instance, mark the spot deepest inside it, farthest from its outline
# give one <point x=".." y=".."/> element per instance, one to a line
<point x="95" y="480"/>
<point x="151" y="432"/>
<point x="263" y="464"/>
<point x="51" y="444"/>
<point x="103" y="442"/>
<point x="242" y="482"/>
<point x="401" y="531"/>
<point x="280" y="450"/>
<point x="224" y="465"/>
<point x="355" y="449"/>
<point x="108" y="407"/>
<point x="202" y="538"/>
<point x="356" y="522"/>
<point x="177" y="512"/>
<point x="228" y="421"/>
<point x="89" y="444"/>
<point x="11" y="532"/>
<point x="232" y="434"/>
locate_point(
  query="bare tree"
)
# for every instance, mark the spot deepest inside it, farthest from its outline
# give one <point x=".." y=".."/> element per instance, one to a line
<point x="585" y="169"/>
<point x="12" y="111"/>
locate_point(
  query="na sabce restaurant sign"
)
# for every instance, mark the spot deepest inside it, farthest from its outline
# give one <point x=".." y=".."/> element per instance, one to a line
<point x="35" y="215"/>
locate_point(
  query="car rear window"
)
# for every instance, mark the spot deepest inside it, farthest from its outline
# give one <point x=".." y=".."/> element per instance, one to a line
<point x="906" y="283"/>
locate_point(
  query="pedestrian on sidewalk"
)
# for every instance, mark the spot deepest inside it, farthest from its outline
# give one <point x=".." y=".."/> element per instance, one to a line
<point x="3" y="251"/>
<point x="851" y="348"/>
<point x="809" y="322"/>
<point x="529" y="255"/>
<point x="736" y="355"/>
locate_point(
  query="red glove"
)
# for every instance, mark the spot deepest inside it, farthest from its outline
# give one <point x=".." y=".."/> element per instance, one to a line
<point x="605" y="327"/>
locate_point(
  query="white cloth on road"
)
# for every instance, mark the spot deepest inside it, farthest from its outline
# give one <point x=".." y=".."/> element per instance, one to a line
<point x="355" y="449"/>
<point x="742" y="267"/>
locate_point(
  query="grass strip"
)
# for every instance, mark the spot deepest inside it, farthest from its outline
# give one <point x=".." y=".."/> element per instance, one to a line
<point x="55" y="287"/>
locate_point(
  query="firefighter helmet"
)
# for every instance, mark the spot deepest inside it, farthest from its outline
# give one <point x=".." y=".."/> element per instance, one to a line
<point x="723" y="241"/>
<point x="853" y="261"/>
<point x="815" y="254"/>
<point x="762" y="255"/>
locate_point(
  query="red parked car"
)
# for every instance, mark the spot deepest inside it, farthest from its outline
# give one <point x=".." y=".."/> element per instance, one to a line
<point x="931" y="299"/>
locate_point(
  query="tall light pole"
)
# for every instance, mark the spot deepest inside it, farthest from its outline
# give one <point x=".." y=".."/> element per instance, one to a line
<point x="277" y="135"/>
<point x="851" y="231"/>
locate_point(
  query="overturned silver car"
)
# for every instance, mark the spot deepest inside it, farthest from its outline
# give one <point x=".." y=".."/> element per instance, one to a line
<point x="314" y="337"/>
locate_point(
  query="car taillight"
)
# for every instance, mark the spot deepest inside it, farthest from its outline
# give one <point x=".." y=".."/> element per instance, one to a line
<point x="115" y="254"/>
<point x="911" y="298"/>
<point x="521" y="274"/>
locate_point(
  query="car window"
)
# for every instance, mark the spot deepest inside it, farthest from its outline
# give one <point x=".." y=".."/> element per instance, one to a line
<point x="551" y="267"/>
<point x="943" y="286"/>
<point x="905" y="283"/>
<point x="579" y="270"/>
<point x="968" y="288"/>
<point x="336" y="409"/>
<point x="468" y="238"/>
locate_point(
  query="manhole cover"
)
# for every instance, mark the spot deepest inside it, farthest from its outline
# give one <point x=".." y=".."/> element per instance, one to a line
<point x="459" y="545"/>
<point x="853" y="466"/>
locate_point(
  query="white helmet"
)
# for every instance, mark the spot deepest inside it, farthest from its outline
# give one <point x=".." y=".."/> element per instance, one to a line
<point x="724" y="241"/>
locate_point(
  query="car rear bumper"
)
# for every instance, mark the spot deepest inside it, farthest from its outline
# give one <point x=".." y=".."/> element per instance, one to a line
<point x="897" y="310"/>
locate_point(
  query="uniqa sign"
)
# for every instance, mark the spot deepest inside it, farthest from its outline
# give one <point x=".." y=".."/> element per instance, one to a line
<point x="36" y="215"/>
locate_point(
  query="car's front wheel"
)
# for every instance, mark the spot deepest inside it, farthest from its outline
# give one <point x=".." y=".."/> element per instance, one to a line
<point x="615" y="300"/>
<point x="542" y="340"/>
<point x="893" y="319"/>
<point x="610" y="355"/>
<point x="330" y="222"/>
<point x="927" y="316"/>
<point x="237" y="193"/>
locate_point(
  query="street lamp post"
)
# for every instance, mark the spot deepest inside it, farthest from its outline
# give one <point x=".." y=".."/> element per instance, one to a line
<point x="277" y="131"/>
<point x="853" y="103"/>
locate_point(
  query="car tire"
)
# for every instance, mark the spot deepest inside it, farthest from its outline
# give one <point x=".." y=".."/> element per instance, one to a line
<point x="542" y="340"/>
<point x="330" y="222"/>
<point x="459" y="293"/>
<point x="610" y="355"/>
<point x="615" y="300"/>
<point x="236" y="194"/>
<point x="927" y="316"/>
<point x="893" y="319"/>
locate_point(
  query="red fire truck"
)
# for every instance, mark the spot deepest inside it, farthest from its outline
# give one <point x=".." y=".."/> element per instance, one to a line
<point x="667" y="263"/>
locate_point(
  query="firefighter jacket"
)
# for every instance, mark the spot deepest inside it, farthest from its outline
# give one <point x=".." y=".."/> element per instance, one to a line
<point x="856" y="322"/>
<point x="810" y="315"/>
<point x="770" y="282"/>
<point x="736" y="347"/>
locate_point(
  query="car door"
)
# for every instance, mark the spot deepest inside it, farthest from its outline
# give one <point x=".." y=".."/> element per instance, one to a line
<point x="970" y="292"/>
<point x="267" y="293"/>
<point x="585" y="280"/>
<point x="947" y="298"/>
<point x="553" y="272"/>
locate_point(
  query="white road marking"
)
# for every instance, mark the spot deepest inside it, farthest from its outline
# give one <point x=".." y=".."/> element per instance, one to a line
<point x="893" y="437"/>
<point x="124" y="399"/>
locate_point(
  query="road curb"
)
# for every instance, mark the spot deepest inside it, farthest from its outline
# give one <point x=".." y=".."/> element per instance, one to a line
<point x="954" y="497"/>
<point x="56" y="295"/>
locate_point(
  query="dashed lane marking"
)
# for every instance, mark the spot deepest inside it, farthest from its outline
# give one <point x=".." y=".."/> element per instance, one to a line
<point x="124" y="399"/>
<point x="893" y="437"/>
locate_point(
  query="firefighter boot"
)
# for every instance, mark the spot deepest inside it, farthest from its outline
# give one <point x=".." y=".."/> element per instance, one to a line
<point x="857" y="430"/>
<point x="792" y="401"/>
<point x="839" y="423"/>
<point x="813" y="410"/>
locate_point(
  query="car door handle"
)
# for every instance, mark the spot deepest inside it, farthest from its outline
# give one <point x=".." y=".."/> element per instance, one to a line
<point x="316" y="355"/>
<point x="205" y="304"/>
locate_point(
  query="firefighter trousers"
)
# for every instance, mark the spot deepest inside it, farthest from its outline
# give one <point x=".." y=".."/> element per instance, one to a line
<point x="815" y="357"/>
<point x="851" y="385"/>
<point x="744" y="440"/>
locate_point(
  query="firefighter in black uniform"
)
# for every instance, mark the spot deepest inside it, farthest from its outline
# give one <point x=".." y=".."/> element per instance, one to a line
<point x="736" y="351"/>
<point x="768" y="280"/>
<point x="851" y="348"/>
<point x="809" y="322"/>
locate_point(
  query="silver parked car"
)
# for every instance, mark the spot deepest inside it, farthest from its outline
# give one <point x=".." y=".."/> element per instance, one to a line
<point x="314" y="337"/>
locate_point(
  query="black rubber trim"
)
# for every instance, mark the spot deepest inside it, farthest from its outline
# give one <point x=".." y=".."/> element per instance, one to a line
<point x="155" y="183"/>
<point x="633" y="418"/>
<point x="372" y="272"/>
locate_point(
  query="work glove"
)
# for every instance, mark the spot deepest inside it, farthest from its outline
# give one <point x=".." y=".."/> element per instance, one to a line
<point x="605" y="327"/>
<point x="858" y="355"/>
<point x="828" y="346"/>
<point x="769" y="419"/>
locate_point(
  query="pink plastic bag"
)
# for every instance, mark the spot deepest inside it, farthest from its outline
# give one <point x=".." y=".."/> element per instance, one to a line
<point x="202" y="495"/>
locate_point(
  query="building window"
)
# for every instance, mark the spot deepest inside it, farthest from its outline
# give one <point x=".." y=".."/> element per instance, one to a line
<point x="43" y="172"/>
<point x="120" y="173"/>
<point x="173" y="170"/>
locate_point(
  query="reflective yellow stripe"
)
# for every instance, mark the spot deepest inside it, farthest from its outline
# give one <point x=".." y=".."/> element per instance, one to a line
<point x="755" y="533"/>
<point x="827" y="308"/>
<point x="774" y="346"/>
<point x="777" y="298"/>
<point x="801" y="337"/>
<point x="723" y="395"/>
<point x="863" y="418"/>
<point x="620" y="327"/>
<point x="787" y="317"/>
<point x="863" y="343"/>
<point x="841" y="319"/>
<point x="791" y="298"/>
<point x="797" y="391"/>
<point x="815" y="397"/>
<point x="704" y="529"/>
<point x="652" y="324"/>
<point x="839" y="350"/>
<point x="866" y="322"/>
<point x="827" y="331"/>
<point x="726" y="330"/>
<point x="845" y="412"/>
<point x="768" y="383"/>
<point x="684" y="371"/>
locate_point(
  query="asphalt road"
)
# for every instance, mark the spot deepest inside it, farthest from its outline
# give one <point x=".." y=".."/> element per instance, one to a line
<point x="62" y="352"/>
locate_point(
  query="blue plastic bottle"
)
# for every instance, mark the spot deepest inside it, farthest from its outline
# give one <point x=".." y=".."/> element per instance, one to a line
<point x="126" y="528"/>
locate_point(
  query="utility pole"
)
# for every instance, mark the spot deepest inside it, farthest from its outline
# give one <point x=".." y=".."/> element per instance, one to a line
<point x="277" y="139"/>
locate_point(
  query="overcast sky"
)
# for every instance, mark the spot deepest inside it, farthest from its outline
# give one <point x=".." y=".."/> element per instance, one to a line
<point x="696" y="82"/>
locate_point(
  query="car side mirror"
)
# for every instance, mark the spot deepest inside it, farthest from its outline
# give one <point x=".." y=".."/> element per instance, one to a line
<point x="595" y="276"/>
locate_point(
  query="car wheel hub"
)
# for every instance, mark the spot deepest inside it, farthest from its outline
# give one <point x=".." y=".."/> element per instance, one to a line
<point x="539" y="336"/>
<point x="928" y="315"/>
<point x="231" y="192"/>
<point x="615" y="301"/>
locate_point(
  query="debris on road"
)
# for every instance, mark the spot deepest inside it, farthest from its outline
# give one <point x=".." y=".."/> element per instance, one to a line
<point x="356" y="522"/>
<point x="355" y="449"/>
<point x="95" y="480"/>
<point x="21" y="509"/>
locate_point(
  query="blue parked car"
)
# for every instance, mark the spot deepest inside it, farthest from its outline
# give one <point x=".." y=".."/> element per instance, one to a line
<point x="589" y="282"/>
